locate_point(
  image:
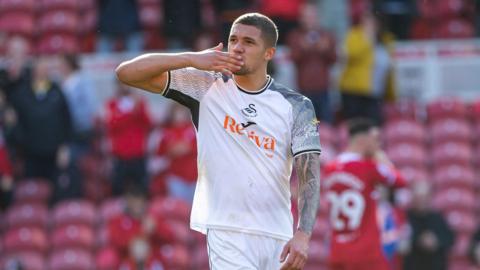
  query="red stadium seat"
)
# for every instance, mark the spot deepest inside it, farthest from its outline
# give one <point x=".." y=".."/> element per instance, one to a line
<point x="71" y="259"/>
<point x="17" y="5"/>
<point x="405" y="154"/>
<point x="461" y="264"/>
<point x="87" y="4"/>
<point x="450" y="129"/>
<point x="176" y="256"/>
<point x="452" y="8"/>
<point x="102" y="236"/>
<point x="414" y="173"/>
<point x="454" y="199"/>
<point x="58" y="43"/>
<point x="28" y="260"/>
<point x="60" y="4"/>
<point x="461" y="245"/>
<point x="456" y="28"/>
<point x="89" y="21"/>
<point x="107" y="259"/>
<point x="422" y="29"/>
<point x="476" y="111"/>
<point x="110" y="208"/>
<point x="150" y="15"/>
<point x="446" y="108"/>
<point x="34" y="191"/>
<point x="74" y="212"/>
<point x="154" y="40"/>
<point x="454" y="176"/>
<point x="462" y="221"/>
<point x="73" y="236"/>
<point x="168" y="207"/>
<point x="31" y="215"/>
<point x="200" y="256"/>
<point x="476" y="155"/>
<point x="59" y="21"/>
<point x="404" y="109"/>
<point x="25" y="239"/>
<point x="427" y="9"/>
<point x="17" y="23"/>
<point x="404" y="131"/>
<point x="452" y="153"/>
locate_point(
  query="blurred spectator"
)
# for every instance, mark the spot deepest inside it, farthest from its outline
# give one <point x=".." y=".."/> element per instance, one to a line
<point x="6" y="170"/>
<point x="13" y="264"/>
<point x="81" y="101"/>
<point x="181" y="20"/>
<point x="119" y="20"/>
<point x="43" y="123"/>
<point x="313" y="51"/>
<point x="128" y="126"/>
<point x="178" y="144"/>
<point x="285" y="14"/>
<point x="431" y="236"/>
<point x="15" y="65"/>
<point x="228" y="11"/>
<point x="137" y="235"/>
<point x="80" y="95"/>
<point x="366" y="77"/>
<point x="334" y="16"/>
<point x="398" y="14"/>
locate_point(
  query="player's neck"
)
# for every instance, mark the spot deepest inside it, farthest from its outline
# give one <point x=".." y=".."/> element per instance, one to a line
<point x="352" y="148"/>
<point x="252" y="82"/>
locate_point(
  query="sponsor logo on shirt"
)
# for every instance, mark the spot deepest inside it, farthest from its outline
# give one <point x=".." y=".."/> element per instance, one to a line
<point x="266" y="143"/>
<point x="250" y="111"/>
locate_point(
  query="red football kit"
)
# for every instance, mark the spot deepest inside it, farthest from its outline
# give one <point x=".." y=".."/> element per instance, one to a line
<point x="349" y="185"/>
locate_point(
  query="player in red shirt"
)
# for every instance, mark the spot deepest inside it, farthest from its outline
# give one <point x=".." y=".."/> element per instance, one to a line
<point x="128" y="126"/>
<point x="349" y="186"/>
<point x="178" y="144"/>
<point x="136" y="235"/>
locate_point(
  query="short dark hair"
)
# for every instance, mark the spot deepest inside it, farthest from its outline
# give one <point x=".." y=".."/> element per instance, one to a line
<point x="266" y="25"/>
<point x="360" y="125"/>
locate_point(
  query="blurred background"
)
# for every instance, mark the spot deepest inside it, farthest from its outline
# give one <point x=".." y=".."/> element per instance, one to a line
<point x="96" y="175"/>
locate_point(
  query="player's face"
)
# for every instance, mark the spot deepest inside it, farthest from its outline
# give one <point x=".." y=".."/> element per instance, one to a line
<point x="247" y="41"/>
<point x="373" y="141"/>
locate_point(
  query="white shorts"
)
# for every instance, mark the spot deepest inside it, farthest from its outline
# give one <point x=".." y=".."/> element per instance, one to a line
<point x="230" y="250"/>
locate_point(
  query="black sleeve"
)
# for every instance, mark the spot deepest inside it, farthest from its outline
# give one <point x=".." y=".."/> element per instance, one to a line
<point x="444" y="233"/>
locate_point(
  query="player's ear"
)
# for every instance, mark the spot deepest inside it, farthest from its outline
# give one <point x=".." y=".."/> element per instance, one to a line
<point x="269" y="53"/>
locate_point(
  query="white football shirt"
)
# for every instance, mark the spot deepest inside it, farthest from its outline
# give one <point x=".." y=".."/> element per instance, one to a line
<point x="246" y="144"/>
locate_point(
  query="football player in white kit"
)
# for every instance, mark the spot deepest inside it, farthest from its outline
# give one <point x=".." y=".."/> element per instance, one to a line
<point x="251" y="131"/>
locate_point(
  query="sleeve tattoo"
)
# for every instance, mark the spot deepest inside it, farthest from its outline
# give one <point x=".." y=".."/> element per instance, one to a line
<point x="308" y="171"/>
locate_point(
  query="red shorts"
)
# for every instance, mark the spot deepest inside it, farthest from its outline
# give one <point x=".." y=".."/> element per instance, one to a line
<point x="372" y="265"/>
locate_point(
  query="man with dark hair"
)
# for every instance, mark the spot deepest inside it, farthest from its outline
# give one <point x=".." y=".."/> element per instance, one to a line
<point x="250" y="132"/>
<point x="349" y="184"/>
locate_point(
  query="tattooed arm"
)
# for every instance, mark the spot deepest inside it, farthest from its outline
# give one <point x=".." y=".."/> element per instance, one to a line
<point x="308" y="172"/>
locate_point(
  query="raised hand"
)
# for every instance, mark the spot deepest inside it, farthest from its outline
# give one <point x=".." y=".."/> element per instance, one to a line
<point x="214" y="59"/>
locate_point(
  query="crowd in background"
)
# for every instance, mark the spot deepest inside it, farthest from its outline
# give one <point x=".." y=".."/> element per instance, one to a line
<point x="50" y="127"/>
